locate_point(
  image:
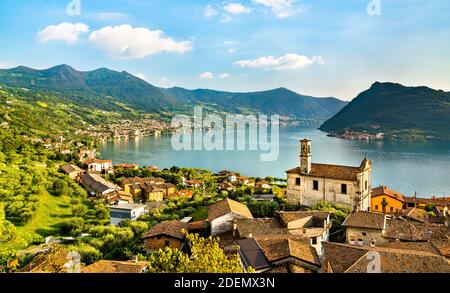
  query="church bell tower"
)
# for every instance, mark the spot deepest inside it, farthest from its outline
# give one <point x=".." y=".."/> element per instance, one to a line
<point x="305" y="156"/>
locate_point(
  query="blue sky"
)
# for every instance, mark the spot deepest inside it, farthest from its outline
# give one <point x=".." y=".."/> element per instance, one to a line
<point x="316" y="47"/>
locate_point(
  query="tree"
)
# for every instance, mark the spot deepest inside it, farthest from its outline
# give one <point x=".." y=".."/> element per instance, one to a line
<point x="7" y="229"/>
<point x="205" y="257"/>
<point x="79" y="210"/>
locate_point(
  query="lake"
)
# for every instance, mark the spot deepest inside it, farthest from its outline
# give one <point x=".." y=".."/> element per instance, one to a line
<point x="404" y="166"/>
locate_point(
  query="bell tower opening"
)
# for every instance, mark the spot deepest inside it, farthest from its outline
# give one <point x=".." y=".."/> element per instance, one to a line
<point x="305" y="156"/>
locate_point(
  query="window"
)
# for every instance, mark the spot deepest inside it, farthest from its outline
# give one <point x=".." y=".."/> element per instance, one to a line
<point x="364" y="234"/>
<point x="343" y="188"/>
<point x="392" y="209"/>
<point x="297" y="181"/>
<point x="365" y="184"/>
<point x="166" y="242"/>
<point x="376" y="207"/>
<point x="314" y="240"/>
<point x="315" y="185"/>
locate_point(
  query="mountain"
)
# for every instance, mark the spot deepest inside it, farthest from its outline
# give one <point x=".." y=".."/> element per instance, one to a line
<point x="110" y="90"/>
<point x="279" y="101"/>
<point x="394" y="109"/>
<point x="104" y="88"/>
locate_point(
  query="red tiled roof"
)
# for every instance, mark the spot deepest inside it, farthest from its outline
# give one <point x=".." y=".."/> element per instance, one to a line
<point x="383" y="190"/>
<point x="330" y="171"/>
<point x="226" y="206"/>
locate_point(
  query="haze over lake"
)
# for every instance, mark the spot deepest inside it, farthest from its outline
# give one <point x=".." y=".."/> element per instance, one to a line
<point x="407" y="167"/>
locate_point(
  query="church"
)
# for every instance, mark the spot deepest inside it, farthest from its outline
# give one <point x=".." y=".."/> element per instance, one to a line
<point x="345" y="185"/>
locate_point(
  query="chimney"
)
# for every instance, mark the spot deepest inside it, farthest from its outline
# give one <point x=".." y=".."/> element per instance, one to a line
<point x="305" y="156"/>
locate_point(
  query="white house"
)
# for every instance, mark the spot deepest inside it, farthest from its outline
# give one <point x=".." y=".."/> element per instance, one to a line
<point x="223" y="214"/>
<point x="310" y="182"/>
<point x="98" y="165"/>
<point x="120" y="212"/>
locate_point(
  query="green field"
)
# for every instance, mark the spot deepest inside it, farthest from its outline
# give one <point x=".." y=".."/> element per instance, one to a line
<point x="50" y="212"/>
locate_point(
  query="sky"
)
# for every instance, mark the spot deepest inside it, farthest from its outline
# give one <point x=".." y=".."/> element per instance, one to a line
<point x="321" y="48"/>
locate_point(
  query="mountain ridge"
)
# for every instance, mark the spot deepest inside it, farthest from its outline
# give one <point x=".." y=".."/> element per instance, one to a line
<point x="114" y="90"/>
<point x="397" y="110"/>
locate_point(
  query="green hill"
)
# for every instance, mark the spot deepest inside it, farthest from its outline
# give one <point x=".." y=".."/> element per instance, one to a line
<point x="279" y="101"/>
<point x="121" y="92"/>
<point x="102" y="88"/>
<point x="405" y="112"/>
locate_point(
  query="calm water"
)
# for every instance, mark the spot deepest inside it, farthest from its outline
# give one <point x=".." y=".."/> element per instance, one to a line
<point x="406" y="167"/>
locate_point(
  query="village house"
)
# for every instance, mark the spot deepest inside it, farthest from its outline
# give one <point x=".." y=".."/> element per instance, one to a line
<point x="243" y="180"/>
<point x="118" y="197"/>
<point x="127" y="183"/>
<point x="386" y="200"/>
<point x="314" y="226"/>
<point x="96" y="185"/>
<point x="73" y="171"/>
<point x="377" y="229"/>
<point x="344" y="258"/>
<point x="222" y="215"/>
<point x="226" y="186"/>
<point x="95" y="165"/>
<point x="126" y="166"/>
<point x="311" y="182"/>
<point x="125" y="211"/>
<point x="166" y="234"/>
<point x="365" y="228"/>
<point x="194" y="183"/>
<point x="116" y="267"/>
<point x="263" y="184"/>
<point x="278" y="254"/>
<point x="86" y="154"/>
<point x="182" y="193"/>
<point x="149" y="188"/>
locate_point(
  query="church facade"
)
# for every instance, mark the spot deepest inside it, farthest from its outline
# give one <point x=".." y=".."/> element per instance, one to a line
<point x="310" y="183"/>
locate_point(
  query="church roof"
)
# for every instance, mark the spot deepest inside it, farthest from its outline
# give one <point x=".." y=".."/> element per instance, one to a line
<point x="330" y="171"/>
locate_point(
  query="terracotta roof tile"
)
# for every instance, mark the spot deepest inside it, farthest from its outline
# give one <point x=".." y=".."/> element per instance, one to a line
<point x="383" y="190"/>
<point x="344" y="258"/>
<point x="169" y="228"/>
<point x="318" y="217"/>
<point x="279" y="248"/>
<point x="412" y="231"/>
<point x="111" y="266"/>
<point x="226" y="206"/>
<point x="363" y="219"/>
<point x="331" y="171"/>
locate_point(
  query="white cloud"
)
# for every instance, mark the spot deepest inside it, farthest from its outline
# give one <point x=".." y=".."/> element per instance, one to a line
<point x="224" y="75"/>
<point x="66" y="32"/>
<point x="141" y="76"/>
<point x="236" y="8"/>
<point x="207" y="75"/>
<point x="210" y="11"/>
<point x="281" y="8"/>
<point x="288" y="61"/>
<point x="231" y="50"/>
<point x="130" y="42"/>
